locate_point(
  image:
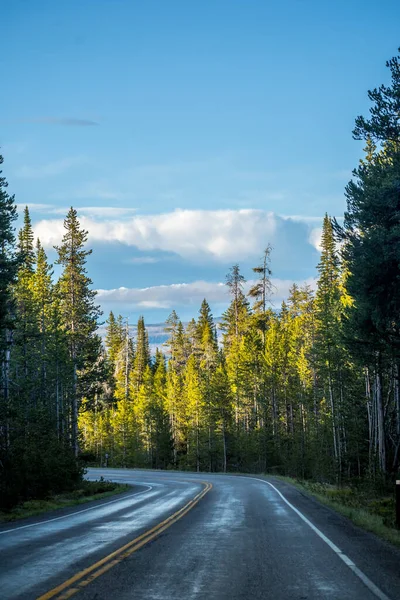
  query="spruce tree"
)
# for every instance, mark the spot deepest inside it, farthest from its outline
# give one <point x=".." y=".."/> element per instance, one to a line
<point x="142" y="355"/>
<point x="171" y="326"/>
<point x="328" y="347"/>
<point x="26" y="242"/>
<point x="162" y="445"/>
<point x="261" y="291"/>
<point x="8" y="259"/>
<point x="222" y="404"/>
<point x="235" y="282"/>
<point x="123" y="365"/>
<point x="77" y="304"/>
<point x="111" y="337"/>
<point x="370" y="249"/>
<point x="194" y="404"/>
<point x="8" y="270"/>
<point x="43" y="293"/>
<point x="26" y="330"/>
<point x="205" y="335"/>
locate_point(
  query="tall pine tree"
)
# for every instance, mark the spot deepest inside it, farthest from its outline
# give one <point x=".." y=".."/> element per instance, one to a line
<point x="78" y="309"/>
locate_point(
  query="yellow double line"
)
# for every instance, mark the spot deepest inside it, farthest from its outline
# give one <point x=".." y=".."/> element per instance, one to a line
<point x="83" y="578"/>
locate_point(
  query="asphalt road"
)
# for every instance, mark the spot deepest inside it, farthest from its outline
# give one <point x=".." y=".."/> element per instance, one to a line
<point x="174" y="537"/>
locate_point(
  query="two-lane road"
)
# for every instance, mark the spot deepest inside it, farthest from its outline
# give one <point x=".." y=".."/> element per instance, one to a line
<point x="188" y="536"/>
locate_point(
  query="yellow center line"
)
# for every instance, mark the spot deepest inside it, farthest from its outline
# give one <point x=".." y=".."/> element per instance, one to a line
<point x="87" y="575"/>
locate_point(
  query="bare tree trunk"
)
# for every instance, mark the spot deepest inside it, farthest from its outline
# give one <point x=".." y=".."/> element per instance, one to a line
<point x="342" y="429"/>
<point x="396" y="458"/>
<point x="303" y="437"/>
<point x="380" y="420"/>
<point x="74" y="415"/>
<point x="6" y="387"/>
<point x="209" y="448"/>
<point x="370" y="416"/>
<point x="58" y="423"/>
<point x="274" y="414"/>
<point x="224" y="442"/>
<point x="173" y="433"/>
<point x="332" y="405"/>
<point x="126" y="360"/>
<point x="197" y="440"/>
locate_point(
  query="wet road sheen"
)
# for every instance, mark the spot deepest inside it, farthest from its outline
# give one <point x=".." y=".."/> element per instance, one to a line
<point x="241" y="539"/>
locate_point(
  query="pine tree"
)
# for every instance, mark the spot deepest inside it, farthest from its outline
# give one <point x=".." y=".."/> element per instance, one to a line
<point x="114" y="337"/>
<point x="383" y="125"/>
<point x="206" y="344"/>
<point x="123" y="366"/>
<point x="26" y="243"/>
<point x="207" y="356"/>
<point x="192" y="336"/>
<point x="171" y="326"/>
<point x="176" y="410"/>
<point x="235" y="322"/>
<point x="43" y="294"/>
<point x="125" y="434"/>
<point x="142" y="355"/>
<point x="78" y="310"/>
<point x="370" y="241"/>
<point x="222" y="404"/>
<point x="328" y="348"/>
<point x="194" y="404"/>
<point x="145" y="415"/>
<point x="162" y="439"/>
<point x="8" y="271"/>
<point x="235" y="282"/>
<point x="261" y="291"/>
<point x="26" y="331"/>
<point x="8" y="259"/>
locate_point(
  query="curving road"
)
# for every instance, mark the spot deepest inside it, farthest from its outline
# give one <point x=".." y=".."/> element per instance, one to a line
<point x="190" y="536"/>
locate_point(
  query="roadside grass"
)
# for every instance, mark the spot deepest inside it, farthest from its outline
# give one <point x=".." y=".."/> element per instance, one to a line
<point x="87" y="491"/>
<point x="363" y="505"/>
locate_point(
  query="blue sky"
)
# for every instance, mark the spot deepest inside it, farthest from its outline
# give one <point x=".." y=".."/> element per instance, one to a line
<point x="188" y="135"/>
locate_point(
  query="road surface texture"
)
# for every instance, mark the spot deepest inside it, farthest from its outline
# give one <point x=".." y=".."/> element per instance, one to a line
<point x="183" y="536"/>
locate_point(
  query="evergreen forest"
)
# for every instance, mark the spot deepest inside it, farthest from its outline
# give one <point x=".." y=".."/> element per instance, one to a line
<point x="309" y="389"/>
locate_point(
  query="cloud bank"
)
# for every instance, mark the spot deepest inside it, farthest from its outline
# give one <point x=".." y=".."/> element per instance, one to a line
<point x="223" y="235"/>
<point x="184" y="294"/>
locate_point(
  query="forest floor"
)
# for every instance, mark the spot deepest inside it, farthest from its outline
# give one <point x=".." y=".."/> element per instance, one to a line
<point x="87" y="491"/>
<point x="366" y="506"/>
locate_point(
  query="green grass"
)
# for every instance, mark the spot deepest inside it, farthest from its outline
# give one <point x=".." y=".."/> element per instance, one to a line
<point x="87" y="491"/>
<point x="364" y="506"/>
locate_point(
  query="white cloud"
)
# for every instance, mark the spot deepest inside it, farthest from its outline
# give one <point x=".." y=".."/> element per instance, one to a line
<point x="315" y="238"/>
<point x="303" y="218"/>
<point x="165" y="296"/>
<point x="49" y="231"/>
<point x="224" y="235"/>
<point x="50" y="169"/>
<point x="153" y="304"/>
<point x="185" y="294"/>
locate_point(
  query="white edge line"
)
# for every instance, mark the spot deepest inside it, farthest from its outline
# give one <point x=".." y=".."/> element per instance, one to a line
<point x="78" y="512"/>
<point x="347" y="561"/>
